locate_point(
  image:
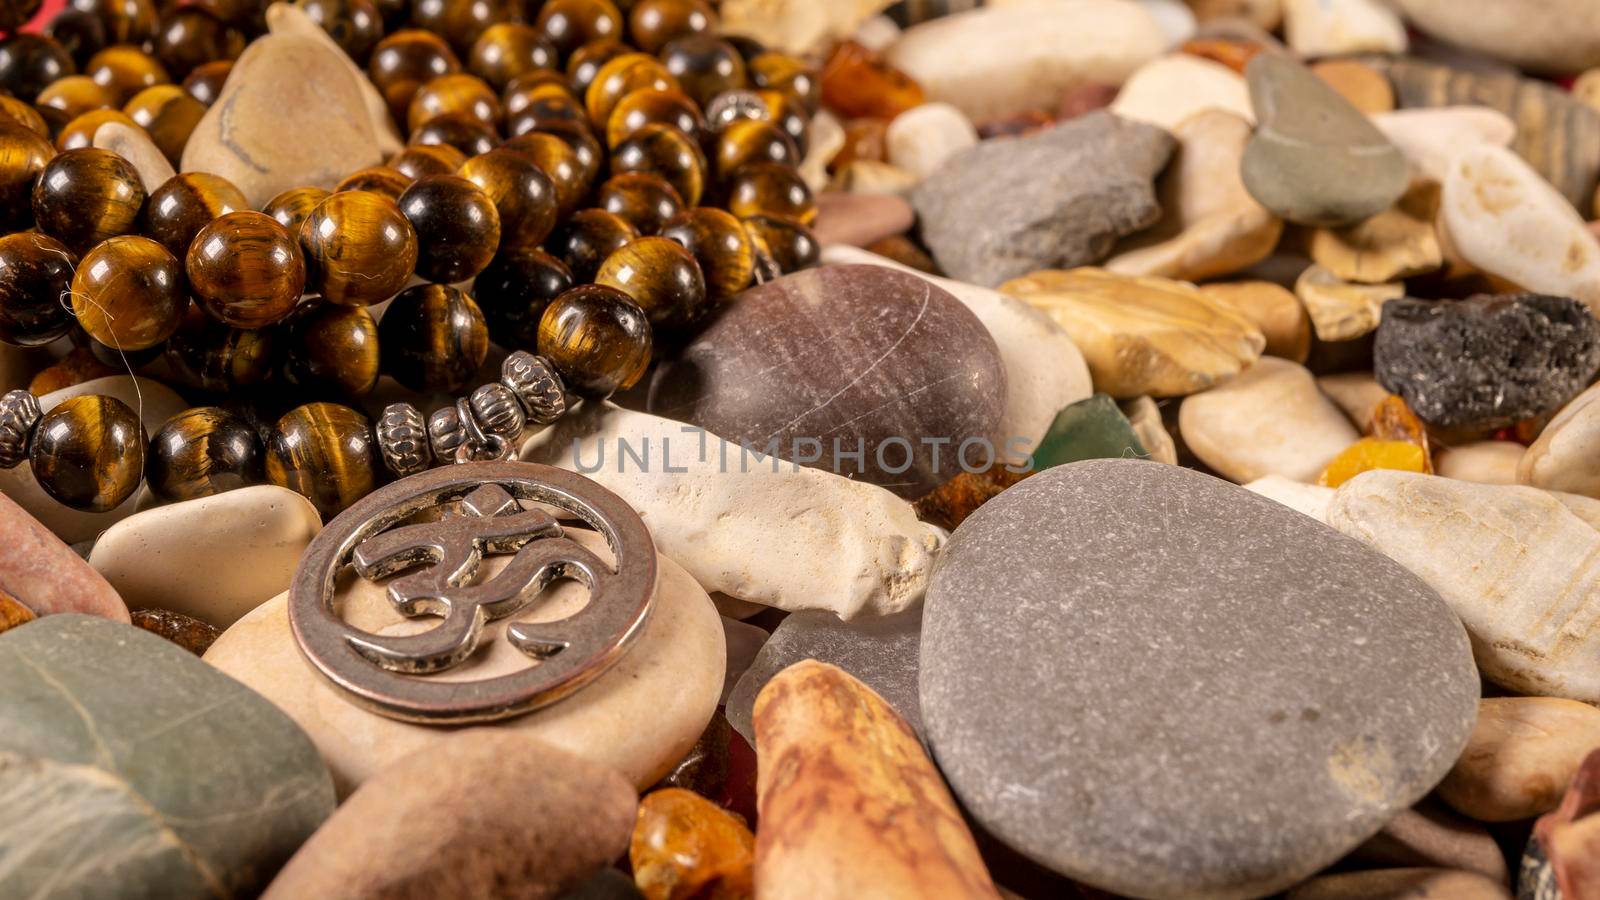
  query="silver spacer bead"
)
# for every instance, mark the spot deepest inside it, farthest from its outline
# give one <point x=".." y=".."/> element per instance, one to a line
<point x="446" y="432"/>
<point x="536" y="385"/>
<point x="732" y="105"/>
<point x="19" y="413"/>
<point x="497" y="411"/>
<point x="403" y="439"/>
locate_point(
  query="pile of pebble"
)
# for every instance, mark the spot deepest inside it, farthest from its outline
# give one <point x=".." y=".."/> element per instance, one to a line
<point x="1183" y="480"/>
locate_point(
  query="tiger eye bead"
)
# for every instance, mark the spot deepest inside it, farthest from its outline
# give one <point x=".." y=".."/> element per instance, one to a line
<point x="769" y="189"/>
<point x="75" y="95"/>
<point x="88" y="453"/>
<point x="246" y="269"/>
<point x="206" y="81"/>
<point x="586" y="61"/>
<point x="325" y="452"/>
<point x="721" y="246"/>
<point x="587" y="238"/>
<point x="190" y="38"/>
<point x="661" y="276"/>
<point x="465" y="133"/>
<point x="333" y="349"/>
<point x="126" y="69"/>
<point x="384" y="181"/>
<point x="514" y="291"/>
<point x="646" y="200"/>
<point x="457" y="225"/>
<point x="782" y="244"/>
<point x="201" y="452"/>
<point x="508" y="49"/>
<point x="355" y="25"/>
<point x="569" y="24"/>
<point x="294" y="206"/>
<point x="433" y="338"/>
<point x="597" y="339"/>
<point x="454" y="93"/>
<point x="129" y="293"/>
<point x="186" y="203"/>
<point x="16" y="13"/>
<point x="704" y="65"/>
<point x="30" y="62"/>
<point x="652" y="23"/>
<point x="577" y="135"/>
<point x="169" y="114"/>
<point x="750" y="141"/>
<point x="523" y="196"/>
<point x="784" y="111"/>
<point x="402" y="62"/>
<point x="665" y="151"/>
<point x="79" y="132"/>
<point x="81" y="34"/>
<point x="620" y="77"/>
<point x="210" y="356"/>
<point x="427" y="159"/>
<point x="23" y="156"/>
<point x="782" y="72"/>
<point x="126" y="21"/>
<point x="35" y="275"/>
<point x="559" y="163"/>
<point x="651" y="106"/>
<point x="14" y="111"/>
<point x="86" y="195"/>
<point x="534" y="108"/>
<point x="460" y="22"/>
<point x="358" y="248"/>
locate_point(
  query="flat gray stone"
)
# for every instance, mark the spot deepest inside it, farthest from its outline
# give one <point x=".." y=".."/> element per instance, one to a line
<point x="129" y="768"/>
<point x="1163" y="685"/>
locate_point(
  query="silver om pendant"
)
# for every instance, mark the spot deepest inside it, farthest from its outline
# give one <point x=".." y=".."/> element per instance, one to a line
<point x="434" y="564"/>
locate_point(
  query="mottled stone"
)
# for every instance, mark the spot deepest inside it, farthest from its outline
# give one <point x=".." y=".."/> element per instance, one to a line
<point x="130" y="768"/>
<point x="1487" y="361"/>
<point x="1342" y="310"/>
<point x="485" y="810"/>
<point x="1274" y="310"/>
<point x="844" y="357"/>
<point x="1271" y="420"/>
<point x="1401" y="884"/>
<point x="1053" y="199"/>
<point x="134" y="145"/>
<point x="1090" y="601"/>
<point x="13" y="613"/>
<point x="187" y="632"/>
<point x="1520" y="758"/>
<point x="44" y="575"/>
<point x="1399" y="242"/>
<point x="1168" y="91"/>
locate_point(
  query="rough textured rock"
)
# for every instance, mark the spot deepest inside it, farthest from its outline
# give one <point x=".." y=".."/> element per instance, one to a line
<point x="134" y="145"/>
<point x="851" y="805"/>
<point x="1566" y="457"/>
<point x="1398" y="243"/>
<point x="1143" y="336"/>
<point x="1487" y="361"/>
<point x="1429" y="835"/>
<point x="1335" y="27"/>
<point x="43" y="574"/>
<point x="1168" y="91"/>
<point x="1522" y="754"/>
<point x="1315" y="159"/>
<point x="1486" y="462"/>
<point x="1432" y="138"/>
<point x="1271" y="420"/>
<point x="1539" y="35"/>
<point x="920" y="140"/>
<point x="1279" y="314"/>
<point x="1082" y="607"/>
<point x="129" y="768"/>
<point x="1054" y="199"/>
<point x="1401" y="884"/>
<point x="844" y="357"/>
<point x="1515" y="563"/>
<point x="484" y="810"/>
<point x="1341" y="310"/>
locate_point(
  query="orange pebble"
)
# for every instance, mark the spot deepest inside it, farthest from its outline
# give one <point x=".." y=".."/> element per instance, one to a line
<point x="1393" y="420"/>
<point x="686" y="846"/>
<point x="1370" y="453"/>
<point x="858" y="83"/>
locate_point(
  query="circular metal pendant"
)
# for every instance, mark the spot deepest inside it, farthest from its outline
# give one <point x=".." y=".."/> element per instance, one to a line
<point x="391" y="533"/>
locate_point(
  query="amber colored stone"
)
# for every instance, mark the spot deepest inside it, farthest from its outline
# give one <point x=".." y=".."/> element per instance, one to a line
<point x="598" y="339"/>
<point x="432" y="338"/>
<point x="206" y="81"/>
<point x="857" y="83"/>
<point x="1393" y="420"/>
<point x="559" y="162"/>
<point x="620" y="77"/>
<point x="190" y="38"/>
<point x="186" y="203"/>
<point x="569" y="24"/>
<point x="13" y="613"/>
<point x="457" y="92"/>
<point x="460" y="130"/>
<point x="1370" y="453"/>
<point x="325" y="452"/>
<point x="704" y="65"/>
<point x="949" y="504"/>
<point x="652" y="23"/>
<point x="457" y="225"/>
<point x="126" y="69"/>
<point x="76" y="95"/>
<point x="587" y="238"/>
<point x="864" y="139"/>
<point x="721" y="245"/>
<point x="246" y="269"/>
<point x="663" y="150"/>
<point x="751" y="141"/>
<point x="506" y="50"/>
<point x="86" y="195"/>
<point x="684" y="846"/>
<point x="76" y="367"/>
<point x="129" y="293"/>
<point x="187" y="632"/>
<point x="1231" y="52"/>
<point x="292" y="207"/>
<point x="522" y="194"/>
<point x="385" y="181"/>
<point x="88" y="452"/>
<point x="645" y="200"/>
<point x="770" y="189"/>
<point x="427" y="159"/>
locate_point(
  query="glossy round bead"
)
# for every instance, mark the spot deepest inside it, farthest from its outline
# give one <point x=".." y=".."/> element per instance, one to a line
<point x="75" y="95"/>
<point x="782" y="72"/>
<point x="88" y="452"/>
<point x="210" y="356"/>
<point x="720" y="245"/>
<point x="126" y="21"/>
<point x="591" y="155"/>
<point x="169" y="115"/>
<point x="35" y="277"/>
<point x="190" y="38"/>
<point x="454" y="93"/>
<point x="704" y="65"/>
<point x="597" y="338"/>
<point x="23" y="156"/>
<point x="355" y="25"/>
<point x="532" y="109"/>
<point x="326" y="453"/>
<point x="201" y="452"/>
<point x="82" y="34"/>
<point x="333" y="349"/>
<point x="402" y="62"/>
<point x="433" y="338"/>
<point x="457" y="225"/>
<point x="665" y="151"/>
<point x="294" y="206"/>
<point x="246" y="269"/>
<point x="129" y="293"/>
<point x="787" y="244"/>
<point x="652" y="23"/>
<point x="79" y="132"/>
<point x="29" y="62"/>
<point x="427" y="159"/>
<point x="785" y="111"/>
<point x="460" y="22"/>
<point x="620" y="77"/>
<point x="646" y="200"/>
<point x="206" y="81"/>
<point x="126" y="69"/>
<point x="514" y="290"/>
<point x="559" y="162"/>
<point x="14" y="111"/>
<point x="536" y="386"/>
<point x="358" y="248"/>
<point x="587" y="238"/>
<point x="769" y="189"/>
<point x="586" y="61"/>
<point x="652" y="106"/>
<point x="569" y="24"/>
<point x="385" y="181"/>
<point x="186" y="203"/>
<point x="465" y="133"/>
<point x="523" y="196"/>
<point x="86" y="195"/>
<point x="751" y="141"/>
<point x="16" y="13"/>
<point x="529" y="80"/>
<point x="508" y="49"/>
<point x="661" y="276"/>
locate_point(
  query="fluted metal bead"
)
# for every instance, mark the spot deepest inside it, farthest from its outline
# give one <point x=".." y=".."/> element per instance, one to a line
<point x="19" y="414"/>
<point x="536" y="386"/>
<point x="497" y="410"/>
<point x="446" y="432"/>
<point x="732" y="105"/>
<point x="403" y="439"/>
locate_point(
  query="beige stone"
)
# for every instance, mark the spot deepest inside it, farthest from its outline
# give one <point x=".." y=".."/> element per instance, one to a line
<point x="1275" y="310"/>
<point x="1485" y="462"/>
<point x="1430" y="835"/>
<point x="1367" y="89"/>
<point x="1334" y="27"/>
<point x="1264" y="14"/>
<point x="1566" y="457"/>
<point x="1342" y="310"/>
<point x="186" y="556"/>
<point x="288" y="18"/>
<point x="1169" y="90"/>
<point x="797" y="26"/>
<point x="1516" y="564"/>
<point x="134" y="145"/>
<point x="1432" y="137"/>
<point x="1210" y="224"/>
<point x="920" y="140"/>
<point x="850" y="803"/>
<point x="1310" y="499"/>
<point x="1400" y="242"/>
<point x="1140" y="336"/>
<point x="1401" y="884"/>
<point x="639" y="717"/>
<point x="1271" y="420"/>
<point x="1522" y="755"/>
<point x="1357" y="393"/>
<point x="1145" y="417"/>
<point x="824" y="139"/>
<point x="1551" y="36"/>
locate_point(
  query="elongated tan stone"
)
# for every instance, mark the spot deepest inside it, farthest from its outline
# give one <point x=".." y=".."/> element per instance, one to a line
<point x="1566" y="457"/>
<point x="1274" y="309"/>
<point x="134" y="145"/>
<point x="1519" y="567"/>
<point x="1140" y="336"/>
<point x="1357" y="393"/>
<point x="1486" y="462"/>
<point x="850" y="804"/>
<point x="1271" y="420"/>
<point x="1522" y="753"/>
<point x="1342" y="310"/>
<point x="1400" y="242"/>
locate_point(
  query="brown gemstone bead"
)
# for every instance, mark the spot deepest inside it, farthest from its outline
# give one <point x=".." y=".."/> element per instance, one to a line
<point x="30" y="62"/>
<point x="785" y="244"/>
<point x="35" y="276"/>
<point x="355" y="25"/>
<point x="333" y="349"/>
<point x="782" y="72"/>
<point x="186" y="203"/>
<point x="784" y="111"/>
<point x="705" y="66"/>
<point x="523" y="196"/>
<point x="560" y="164"/>
<point x="645" y="200"/>
<point x="527" y="81"/>
<point x="86" y="195"/>
<point x="750" y="141"/>
<point x="129" y="293"/>
<point x="201" y="452"/>
<point x="652" y="23"/>
<point x="81" y="34"/>
<point x="465" y="133"/>
<point x="597" y="338"/>
<point x="88" y="453"/>
<point x="294" y="206"/>
<point x="457" y="92"/>
<point x="404" y="61"/>
<point x="326" y="453"/>
<point x="126" y="69"/>
<point x="169" y="114"/>
<point x="125" y="21"/>
<point x="79" y="132"/>
<point x="205" y="82"/>
<point x="461" y="22"/>
<point x="433" y="338"/>
<point x="16" y="13"/>
<point x="684" y="845"/>
<point x="587" y="238"/>
<point x="19" y="113"/>
<point x="211" y="356"/>
<point x="856" y="82"/>
<point x="620" y="77"/>
<point x="508" y="49"/>
<point x="578" y="136"/>
<point x="661" y="276"/>
<point x="514" y="291"/>
<point x="533" y="108"/>
<point x="665" y="151"/>
<point x="427" y="159"/>
<point x="569" y="24"/>
<point x="23" y="155"/>
<point x="385" y="181"/>
<point x="457" y="225"/>
<point x="358" y="248"/>
<point x="651" y="106"/>
<point x="770" y="189"/>
<point x="190" y="38"/>
<point x="720" y="244"/>
<point x="246" y="269"/>
<point x="75" y="95"/>
<point x="586" y="62"/>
